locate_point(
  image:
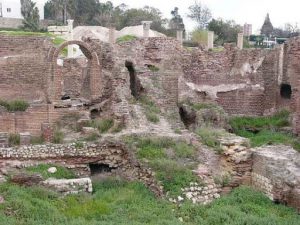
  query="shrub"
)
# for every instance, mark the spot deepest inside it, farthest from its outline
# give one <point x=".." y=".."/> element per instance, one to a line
<point x="14" y="139"/>
<point x="126" y="38"/>
<point x="58" y="137"/>
<point x="15" y="106"/>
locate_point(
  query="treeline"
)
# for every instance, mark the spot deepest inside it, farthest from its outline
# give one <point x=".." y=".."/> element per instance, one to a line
<point x="95" y="13"/>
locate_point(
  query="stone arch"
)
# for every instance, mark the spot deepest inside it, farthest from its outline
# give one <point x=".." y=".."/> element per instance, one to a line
<point x="55" y="86"/>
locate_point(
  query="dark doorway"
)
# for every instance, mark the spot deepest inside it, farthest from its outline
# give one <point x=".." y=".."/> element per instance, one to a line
<point x="188" y="117"/>
<point x="100" y="168"/>
<point x="134" y="85"/>
<point x="286" y="91"/>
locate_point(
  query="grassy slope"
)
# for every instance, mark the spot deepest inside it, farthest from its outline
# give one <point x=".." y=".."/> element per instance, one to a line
<point x="131" y="203"/>
<point x="265" y="130"/>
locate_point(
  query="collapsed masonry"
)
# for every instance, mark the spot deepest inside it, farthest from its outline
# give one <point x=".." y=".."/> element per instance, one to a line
<point x="106" y="79"/>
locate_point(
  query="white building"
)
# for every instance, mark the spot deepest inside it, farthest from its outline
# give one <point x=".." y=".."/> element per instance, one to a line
<point x="12" y="8"/>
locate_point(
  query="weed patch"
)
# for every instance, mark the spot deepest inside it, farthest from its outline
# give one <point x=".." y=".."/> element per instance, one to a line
<point x="62" y="172"/>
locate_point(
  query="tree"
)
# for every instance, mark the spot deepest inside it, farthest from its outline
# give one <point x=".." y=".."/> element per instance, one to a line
<point x="267" y="28"/>
<point x="176" y="23"/>
<point x="225" y="31"/>
<point x="201" y="14"/>
<point x="30" y="14"/>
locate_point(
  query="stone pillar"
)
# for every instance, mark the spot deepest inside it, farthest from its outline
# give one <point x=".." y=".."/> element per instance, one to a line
<point x="210" y="40"/>
<point x="146" y="28"/>
<point x="70" y="38"/>
<point x="47" y="132"/>
<point x="112" y="38"/>
<point x="240" y="41"/>
<point x="180" y="36"/>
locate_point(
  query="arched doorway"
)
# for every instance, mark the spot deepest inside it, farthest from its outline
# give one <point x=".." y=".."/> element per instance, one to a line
<point x="93" y="68"/>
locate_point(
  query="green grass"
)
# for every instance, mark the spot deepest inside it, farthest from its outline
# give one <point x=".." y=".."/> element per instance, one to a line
<point x="265" y="130"/>
<point x="126" y="38"/>
<point x="15" y="105"/>
<point x="210" y="137"/>
<point x="151" y="110"/>
<point x="62" y="172"/>
<point x="103" y="125"/>
<point x="118" y="203"/>
<point x="167" y="159"/>
<point x="254" y="124"/>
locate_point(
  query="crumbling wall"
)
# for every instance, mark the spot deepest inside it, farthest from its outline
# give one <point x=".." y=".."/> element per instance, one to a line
<point x="110" y="153"/>
<point x="243" y="82"/>
<point x="32" y="119"/>
<point x="276" y="172"/>
<point x="291" y="73"/>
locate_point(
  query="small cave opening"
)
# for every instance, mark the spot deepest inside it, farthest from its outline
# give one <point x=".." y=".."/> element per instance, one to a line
<point x="286" y="91"/>
<point x="135" y="85"/>
<point x="97" y="169"/>
<point x="95" y="113"/>
<point x="188" y="117"/>
<point x="65" y="97"/>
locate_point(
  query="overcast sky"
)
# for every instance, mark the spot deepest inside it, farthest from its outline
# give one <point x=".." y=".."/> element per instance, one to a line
<point x="242" y="11"/>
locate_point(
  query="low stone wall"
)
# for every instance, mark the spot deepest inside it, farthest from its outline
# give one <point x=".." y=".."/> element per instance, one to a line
<point x="10" y="23"/>
<point x="69" y="186"/>
<point x="113" y="154"/>
<point x="276" y="172"/>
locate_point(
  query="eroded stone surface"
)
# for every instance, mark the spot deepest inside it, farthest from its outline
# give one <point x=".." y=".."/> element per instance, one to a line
<point x="276" y="172"/>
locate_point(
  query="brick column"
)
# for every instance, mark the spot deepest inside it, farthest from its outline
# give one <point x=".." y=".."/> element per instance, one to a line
<point x="70" y="38"/>
<point x="210" y="40"/>
<point x="179" y="34"/>
<point x="112" y="38"/>
<point x="240" y="41"/>
<point x="47" y="132"/>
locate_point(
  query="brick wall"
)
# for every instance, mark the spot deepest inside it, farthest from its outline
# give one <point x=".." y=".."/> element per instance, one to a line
<point x="243" y="82"/>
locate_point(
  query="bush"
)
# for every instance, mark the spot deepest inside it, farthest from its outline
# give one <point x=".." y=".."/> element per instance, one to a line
<point x="15" y="106"/>
<point x="14" y="139"/>
<point x="126" y="38"/>
<point x="58" y="137"/>
<point x="183" y="150"/>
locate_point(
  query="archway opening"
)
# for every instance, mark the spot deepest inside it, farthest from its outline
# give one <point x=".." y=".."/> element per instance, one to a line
<point x="286" y="91"/>
<point x="135" y="85"/>
<point x="74" y="72"/>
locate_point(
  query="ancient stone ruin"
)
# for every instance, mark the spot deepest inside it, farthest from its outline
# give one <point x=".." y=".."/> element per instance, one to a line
<point x="107" y="80"/>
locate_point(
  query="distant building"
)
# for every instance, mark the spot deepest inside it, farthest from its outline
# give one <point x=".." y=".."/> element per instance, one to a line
<point x="267" y="28"/>
<point x="247" y="29"/>
<point x="12" y="8"/>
